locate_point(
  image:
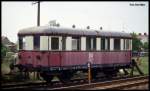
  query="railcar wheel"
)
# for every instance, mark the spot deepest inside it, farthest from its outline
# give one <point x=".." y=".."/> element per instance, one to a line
<point x="46" y="77"/>
<point x="110" y="73"/>
<point x="94" y="74"/>
<point x="20" y="67"/>
<point x="65" y="76"/>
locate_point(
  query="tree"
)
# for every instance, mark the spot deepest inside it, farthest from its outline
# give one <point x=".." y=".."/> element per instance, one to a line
<point x="136" y="43"/>
<point x="4" y="50"/>
<point x="145" y="46"/>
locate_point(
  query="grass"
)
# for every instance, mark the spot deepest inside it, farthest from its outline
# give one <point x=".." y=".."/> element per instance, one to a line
<point x="5" y="67"/>
<point x="144" y="65"/>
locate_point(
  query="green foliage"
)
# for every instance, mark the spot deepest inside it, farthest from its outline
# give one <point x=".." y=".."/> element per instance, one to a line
<point x="144" y="65"/>
<point x="136" y="43"/>
<point x="4" y="50"/>
<point x="145" y="46"/>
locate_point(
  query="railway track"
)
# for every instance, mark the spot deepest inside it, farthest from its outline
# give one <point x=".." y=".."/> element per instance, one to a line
<point x="112" y="84"/>
<point x="21" y="84"/>
<point x="123" y="83"/>
<point x="41" y="84"/>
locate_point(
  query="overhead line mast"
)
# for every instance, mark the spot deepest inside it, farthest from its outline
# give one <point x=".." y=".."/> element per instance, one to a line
<point x="38" y="24"/>
<point x="38" y="12"/>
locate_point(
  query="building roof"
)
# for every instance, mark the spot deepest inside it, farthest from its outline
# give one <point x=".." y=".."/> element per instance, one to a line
<point x="48" y="30"/>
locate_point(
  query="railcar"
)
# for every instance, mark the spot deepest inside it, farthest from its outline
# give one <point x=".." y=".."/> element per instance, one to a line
<point x="56" y="51"/>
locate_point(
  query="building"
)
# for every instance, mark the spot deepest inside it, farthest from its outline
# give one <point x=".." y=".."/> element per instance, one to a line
<point x="6" y="42"/>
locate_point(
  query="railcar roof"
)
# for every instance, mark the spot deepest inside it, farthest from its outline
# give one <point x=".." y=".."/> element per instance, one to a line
<point x="46" y="30"/>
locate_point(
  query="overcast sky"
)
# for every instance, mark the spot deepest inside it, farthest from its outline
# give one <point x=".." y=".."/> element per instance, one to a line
<point x="112" y="16"/>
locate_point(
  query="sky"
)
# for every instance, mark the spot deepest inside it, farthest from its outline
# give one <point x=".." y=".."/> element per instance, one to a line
<point x="112" y="16"/>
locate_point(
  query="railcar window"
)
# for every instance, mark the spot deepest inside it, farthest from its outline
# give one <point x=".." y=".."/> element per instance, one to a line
<point x="24" y="43"/>
<point x="54" y="43"/>
<point x="90" y="43"/>
<point x="116" y="44"/>
<point x="127" y="44"/>
<point x="108" y="47"/>
<point x="76" y="45"/>
<point x="63" y="43"/>
<point x="124" y="44"/>
<point x="21" y="43"/>
<point x="94" y="44"/>
<point x="105" y="43"/>
<point x="36" y="42"/>
<point x="108" y="44"/>
<point x="44" y="42"/>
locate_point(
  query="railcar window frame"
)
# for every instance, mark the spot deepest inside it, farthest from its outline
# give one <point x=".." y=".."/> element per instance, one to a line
<point x="103" y="43"/>
<point x="36" y="42"/>
<point x="20" y="39"/>
<point x="60" y="44"/>
<point x="91" y="43"/>
<point x="124" y="44"/>
<point x="78" y="43"/>
<point x="63" y="41"/>
<point x="44" y="39"/>
<point x="117" y="44"/>
<point x="127" y="44"/>
<point x="22" y="42"/>
<point x="29" y="42"/>
<point x="52" y="44"/>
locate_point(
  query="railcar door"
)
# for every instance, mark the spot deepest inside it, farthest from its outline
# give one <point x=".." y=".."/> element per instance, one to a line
<point x="54" y="54"/>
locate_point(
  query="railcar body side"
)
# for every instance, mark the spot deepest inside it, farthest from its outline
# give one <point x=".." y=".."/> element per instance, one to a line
<point x="73" y="50"/>
<point x="70" y="59"/>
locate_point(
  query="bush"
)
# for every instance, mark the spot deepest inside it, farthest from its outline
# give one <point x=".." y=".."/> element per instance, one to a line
<point x="4" y="50"/>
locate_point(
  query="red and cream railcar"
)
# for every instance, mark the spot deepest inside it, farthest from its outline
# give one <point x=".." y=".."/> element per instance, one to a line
<point x="48" y="49"/>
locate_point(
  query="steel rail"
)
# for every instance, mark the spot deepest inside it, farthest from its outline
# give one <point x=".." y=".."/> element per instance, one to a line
<point x="96" y="85"/>
<point x="102" y="85"/>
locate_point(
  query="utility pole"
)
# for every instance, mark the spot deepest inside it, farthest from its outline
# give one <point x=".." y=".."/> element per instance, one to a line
<point x="38" y="17"/>
<point x="38" y="12"/>
<point x="37" y="75"/>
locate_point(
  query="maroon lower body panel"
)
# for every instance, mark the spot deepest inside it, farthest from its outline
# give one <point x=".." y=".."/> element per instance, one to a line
<point x="81" y="58"/>
<point x="65" y="58"/>
<point x="74" y="58"/>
